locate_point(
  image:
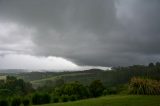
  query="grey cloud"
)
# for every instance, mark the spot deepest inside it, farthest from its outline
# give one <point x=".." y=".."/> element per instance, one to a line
<point x="90" y="32"/>
<point x="143" y="28"/>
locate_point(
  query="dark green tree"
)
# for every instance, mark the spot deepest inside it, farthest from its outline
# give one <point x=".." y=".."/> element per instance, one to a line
<point x="16" y="102"/>
<point x="16" y="86"/>
<point x="4" y="103"/>
<point x="75" y="88"/>
<point x="40" y="99"/>
<point x="55" y="99"/>
<point x="65" y="98"/>
<point x="96" y="88"/>
<point x="26" y="102"/>
<point x="46" y="98"/>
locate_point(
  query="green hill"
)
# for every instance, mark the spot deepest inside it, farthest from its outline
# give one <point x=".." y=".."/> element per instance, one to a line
<point x="116" y="76"/>
<point x="109" y="78"/>
<point x="114" y="100"/>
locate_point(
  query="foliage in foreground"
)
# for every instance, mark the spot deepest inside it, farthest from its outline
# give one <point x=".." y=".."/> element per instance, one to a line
<point x="16" y="102"/>
<point x="40" y="98"/>
<point x="13" y="87"/>
<point x="96" y="88"/>
<point x="4" y="103"/>
<point x="144" y="86"/>
<point x="26" y="102"/>
<point x="74" y="88"/>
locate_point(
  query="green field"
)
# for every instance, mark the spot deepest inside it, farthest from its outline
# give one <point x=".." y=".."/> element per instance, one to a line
<point x="115" y="100"/>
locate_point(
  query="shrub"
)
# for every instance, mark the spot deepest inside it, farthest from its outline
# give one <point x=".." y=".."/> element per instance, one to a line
<point x="41" y="99"/>
<point x="4" y="103"/>
<point x="73" y="97"/>
<point x="36" y="99"/>
<point x="110" y="91"/>
<point x="16" y="102"/>
<point x="46" y="98"/>
<point x="65" y="98"/>
<point x="74" y="88"/>
<point x="144" y="86"/>
<point x="96" y="88"/>
<point x="5" y="93"/>
<point x="26" y="102"/>
<point x="55" y="99"/>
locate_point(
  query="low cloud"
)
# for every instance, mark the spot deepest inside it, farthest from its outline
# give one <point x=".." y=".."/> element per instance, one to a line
<point x="33" y="63"/>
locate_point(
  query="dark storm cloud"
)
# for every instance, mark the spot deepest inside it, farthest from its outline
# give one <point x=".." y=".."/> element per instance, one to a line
<point x="90" y="32"/>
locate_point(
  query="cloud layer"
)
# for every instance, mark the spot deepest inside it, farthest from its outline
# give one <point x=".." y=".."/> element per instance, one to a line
<point x="34" y="63"/>
<point x="87" y="32"/>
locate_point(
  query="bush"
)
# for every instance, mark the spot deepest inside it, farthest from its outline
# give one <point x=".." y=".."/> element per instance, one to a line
<point x="36" y="99"/>
<point x="144" y="86"/>
<point x="4" y="103"/>
<point x="65" y="98"/>
<point x="5" y="93"/>
<point x="96" y="88"/>
<point x="73" y="97"/>
<point x="16" y="102"/>
<point x="46" y="98"/>
<point x="40" y="99"/>
<point x="55" y="99"/>
<point x="26" y="102"/>
<point x="110" y="91"/>
<point x="74" y="88"/>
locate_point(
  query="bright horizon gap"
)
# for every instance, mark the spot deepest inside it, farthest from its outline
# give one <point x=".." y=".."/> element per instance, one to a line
<point x="39" y="63"/>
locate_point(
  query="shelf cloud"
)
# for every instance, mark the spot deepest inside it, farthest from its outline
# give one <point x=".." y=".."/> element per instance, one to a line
<point x="37" y="63"/>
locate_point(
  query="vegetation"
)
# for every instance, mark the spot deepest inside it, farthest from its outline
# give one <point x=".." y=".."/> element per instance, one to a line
<point x="110" y="91"/>
<point x="41" y="99"/>
<point x="4" y="103"/>
<point x="16" y="101"/>
<point x="55" y="99"/>
<point x="96" y="88"/>
<point x="73" y="98"/>
<point x="65" y="98"/>
<point x="118" y="76"/>
<point x="73" y="86"/>
<point x="13" y="86"/>
<point x="26" y="102"/>
<point x="144" y="86"/>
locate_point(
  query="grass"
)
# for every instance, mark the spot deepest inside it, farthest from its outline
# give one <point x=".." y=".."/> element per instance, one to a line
<point x="114" y="100"/>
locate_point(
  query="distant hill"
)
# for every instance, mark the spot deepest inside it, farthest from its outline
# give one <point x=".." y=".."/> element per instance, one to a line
<point x="116" y="76"/>
<point x="12" y="70"/>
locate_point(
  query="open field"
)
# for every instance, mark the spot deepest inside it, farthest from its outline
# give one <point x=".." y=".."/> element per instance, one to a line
<point x="53" y="79"/>
<point x="114" y="100"/>
<point x="59" y="76"/>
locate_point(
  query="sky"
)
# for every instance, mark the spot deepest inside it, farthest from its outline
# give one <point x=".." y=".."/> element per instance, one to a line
<point x="78" y="34"/>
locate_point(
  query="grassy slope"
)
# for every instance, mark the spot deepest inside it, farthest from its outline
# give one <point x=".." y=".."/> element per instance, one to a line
<point x="40" y="82"/>
<point x="54" y="77"/>
<point x="116" y="100"/>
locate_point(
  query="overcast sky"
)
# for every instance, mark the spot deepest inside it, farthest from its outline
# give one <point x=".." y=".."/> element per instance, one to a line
<point x="60" y="34"/>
